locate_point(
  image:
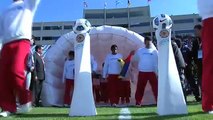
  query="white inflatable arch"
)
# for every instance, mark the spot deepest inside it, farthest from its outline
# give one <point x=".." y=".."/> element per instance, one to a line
<point x="101" y="40"/>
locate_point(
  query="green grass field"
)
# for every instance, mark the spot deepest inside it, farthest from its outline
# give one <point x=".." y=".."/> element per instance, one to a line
<point x="108" y="113"/>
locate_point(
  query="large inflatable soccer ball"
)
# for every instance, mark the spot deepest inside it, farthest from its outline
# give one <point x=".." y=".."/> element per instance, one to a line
<point x="81" y="26"/>
<point x="162" y="21"/>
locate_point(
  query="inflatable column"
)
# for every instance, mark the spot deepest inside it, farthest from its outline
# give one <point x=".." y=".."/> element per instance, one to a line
<point x="170" y="95"/>
<point x="82" y="101"/>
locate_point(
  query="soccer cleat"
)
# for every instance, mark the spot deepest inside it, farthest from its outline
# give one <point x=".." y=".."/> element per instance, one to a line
<point x="138" y="104"/>
<point x="210" y="112"/>
<point x="24" y="108"/>
<point x="66" y="105"/>
<point x="120" y="77"/>
<point x="5" y="114"/>
<point x="114" y="105"/>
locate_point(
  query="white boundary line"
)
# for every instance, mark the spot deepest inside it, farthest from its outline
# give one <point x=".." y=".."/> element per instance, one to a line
<point x="125" y="114"/>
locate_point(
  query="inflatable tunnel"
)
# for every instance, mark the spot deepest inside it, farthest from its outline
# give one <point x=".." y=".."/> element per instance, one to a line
<point x="101" y="40"/>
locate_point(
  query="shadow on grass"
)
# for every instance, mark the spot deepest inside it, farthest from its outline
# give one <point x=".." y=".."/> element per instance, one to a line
<point x="135" y="116"/>
<point x="154" y="116"/>
<point x="105" y="116"/>
<point x="193" y="103"/>
<point x="57" y="115"/>
<point x="41" y="115"/>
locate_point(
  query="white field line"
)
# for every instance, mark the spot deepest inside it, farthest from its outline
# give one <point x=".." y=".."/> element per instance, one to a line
<point x="124" y="114"/>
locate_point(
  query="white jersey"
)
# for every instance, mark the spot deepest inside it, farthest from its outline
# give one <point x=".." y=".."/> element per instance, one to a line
<point x="147" y="59"/>
<point x="16" y="21"/>
<point x="111" y="65"/>
<point x="69" y="69"/>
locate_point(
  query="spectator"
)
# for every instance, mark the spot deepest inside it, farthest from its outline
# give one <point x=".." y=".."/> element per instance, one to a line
<point x="188" y="72"/>
<point x="30" y="66"/>
<point x="180" y="65"/>
<point x="197" y="51"/>
<point x="38" y="74"/>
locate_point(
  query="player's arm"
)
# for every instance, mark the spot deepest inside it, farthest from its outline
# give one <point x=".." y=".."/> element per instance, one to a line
<point x="32" y="4"/>
<point x="105" y="68"/>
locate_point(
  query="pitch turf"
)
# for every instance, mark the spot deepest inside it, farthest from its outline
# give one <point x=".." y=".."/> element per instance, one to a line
<point x="108" y="113"/>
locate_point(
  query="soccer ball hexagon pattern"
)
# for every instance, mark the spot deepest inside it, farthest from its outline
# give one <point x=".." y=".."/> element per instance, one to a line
<point x="82" y="26"/>
<point x="162" y="21"/>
